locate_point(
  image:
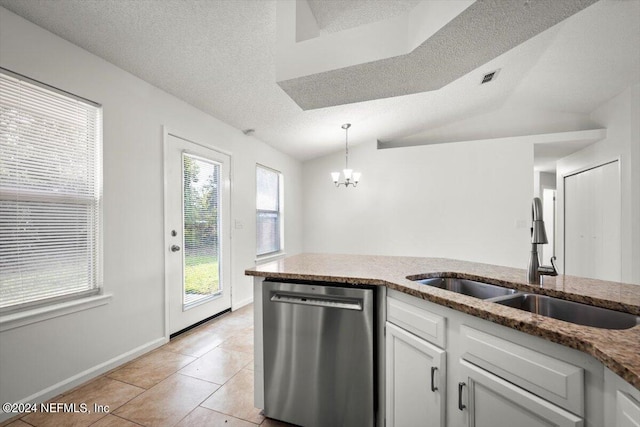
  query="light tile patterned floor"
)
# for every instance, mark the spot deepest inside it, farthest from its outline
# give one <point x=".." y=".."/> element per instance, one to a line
<point x="202" y="378"/>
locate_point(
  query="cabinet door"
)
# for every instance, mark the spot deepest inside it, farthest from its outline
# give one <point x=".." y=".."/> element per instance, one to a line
<point x="416" y="380"/>
<point x="627" y="411"/>
<point x="490" y="401"/>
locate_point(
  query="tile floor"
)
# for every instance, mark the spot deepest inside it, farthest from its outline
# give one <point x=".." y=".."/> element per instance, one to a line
<point x="203" y="377"/>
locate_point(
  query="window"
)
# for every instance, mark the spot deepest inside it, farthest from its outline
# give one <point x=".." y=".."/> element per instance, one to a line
<point x="269" y="210"/>
<point x="50" y="194"/>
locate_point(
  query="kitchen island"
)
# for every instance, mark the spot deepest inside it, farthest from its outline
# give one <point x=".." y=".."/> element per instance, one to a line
<point x="617" y="350"/>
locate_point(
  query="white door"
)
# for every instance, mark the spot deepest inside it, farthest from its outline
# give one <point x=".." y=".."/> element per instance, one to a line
<point x="416" y="380"/>
<point x="490" y="401"/>
<point x="197" y="232"/>
<point x="592" y="212"/>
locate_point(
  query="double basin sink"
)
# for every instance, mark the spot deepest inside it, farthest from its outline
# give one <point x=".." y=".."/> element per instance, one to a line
<point x="569" y="311"/>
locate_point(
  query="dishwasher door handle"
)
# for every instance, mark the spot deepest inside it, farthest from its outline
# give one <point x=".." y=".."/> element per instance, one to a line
<point x="345" y="304"/>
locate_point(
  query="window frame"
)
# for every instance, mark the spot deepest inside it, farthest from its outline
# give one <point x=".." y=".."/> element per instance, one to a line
<point x="279" y="213"/>
<point x="50" y="306"/>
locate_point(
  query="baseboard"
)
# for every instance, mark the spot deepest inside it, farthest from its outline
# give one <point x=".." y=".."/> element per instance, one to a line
<point x="82" y="377"/>
<point x="239" y="304"/>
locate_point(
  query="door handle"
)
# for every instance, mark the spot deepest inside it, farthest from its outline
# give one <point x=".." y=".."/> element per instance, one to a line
<point x="433" y="372"/>
<point x="318" y="301"/>
<point x="460" y="405"/>
<point x="175" y="248"/>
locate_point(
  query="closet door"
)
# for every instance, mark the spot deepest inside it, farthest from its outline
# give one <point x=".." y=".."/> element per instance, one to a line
<point x="592" y="210"/>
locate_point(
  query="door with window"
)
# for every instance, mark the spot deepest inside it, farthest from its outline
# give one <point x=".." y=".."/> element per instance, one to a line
<point x="197" y="216"/>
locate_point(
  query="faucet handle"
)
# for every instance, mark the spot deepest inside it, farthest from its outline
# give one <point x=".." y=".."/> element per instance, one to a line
<point x="549" y="270"/>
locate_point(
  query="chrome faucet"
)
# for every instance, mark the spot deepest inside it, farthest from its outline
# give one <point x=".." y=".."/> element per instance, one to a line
<point x="538" y="237"/>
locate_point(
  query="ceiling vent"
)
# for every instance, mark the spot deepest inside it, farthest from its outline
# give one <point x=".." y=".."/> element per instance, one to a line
<point x="490" y="76"/>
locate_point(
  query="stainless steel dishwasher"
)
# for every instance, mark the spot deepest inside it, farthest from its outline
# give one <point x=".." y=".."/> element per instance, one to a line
<point x="319" y="354"/>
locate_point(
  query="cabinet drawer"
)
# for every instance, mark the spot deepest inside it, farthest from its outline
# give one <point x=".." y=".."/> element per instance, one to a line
<point x="417" y="320"/>
<point x="552" y="379"/>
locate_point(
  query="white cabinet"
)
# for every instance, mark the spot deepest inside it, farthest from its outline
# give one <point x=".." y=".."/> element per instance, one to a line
<point x="504" y="381"/>
<point x="415" y="380"/>
<point x="509" y="378"/>
<point x="490" y="401"/>
<point x="622" y="402"/>
<point x="627" y="411"/>
<point x="554" y="380"/>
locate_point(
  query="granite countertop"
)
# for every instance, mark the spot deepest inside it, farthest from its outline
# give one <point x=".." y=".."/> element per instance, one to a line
<point x="618" y="350"/>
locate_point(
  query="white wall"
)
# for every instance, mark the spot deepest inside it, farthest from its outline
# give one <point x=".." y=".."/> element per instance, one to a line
<point x="460" y="200"/>
<point x="42" y="359"/>
<point x="620" y="116"/>
<point x="542" y="180"/>
<point x="507" y="120"/>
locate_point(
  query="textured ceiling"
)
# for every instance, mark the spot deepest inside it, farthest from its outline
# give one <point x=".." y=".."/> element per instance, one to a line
<point x="483" y="31"/>
<point x="219" y="56"/>
<point x="337" y="15"/>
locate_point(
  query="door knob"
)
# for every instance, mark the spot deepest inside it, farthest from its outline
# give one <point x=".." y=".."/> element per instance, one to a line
<point x="175" y="248"/>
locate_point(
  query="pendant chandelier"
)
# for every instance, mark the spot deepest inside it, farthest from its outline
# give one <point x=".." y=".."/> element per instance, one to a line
<point x="350" y="177"/>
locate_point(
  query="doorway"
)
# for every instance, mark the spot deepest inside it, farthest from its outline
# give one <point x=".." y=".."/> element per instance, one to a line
<point x="549" y="218"/>
<point x="197" y="232"/>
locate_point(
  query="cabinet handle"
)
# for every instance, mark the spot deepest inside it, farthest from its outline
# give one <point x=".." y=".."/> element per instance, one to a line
<point x="433" y="373"/>
<point x="460" y="405"/>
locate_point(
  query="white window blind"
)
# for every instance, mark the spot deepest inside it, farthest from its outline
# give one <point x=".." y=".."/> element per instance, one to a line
<point x="201" y="229"/>
<point x="50" y="194"/>
<point x="269" y="217"/>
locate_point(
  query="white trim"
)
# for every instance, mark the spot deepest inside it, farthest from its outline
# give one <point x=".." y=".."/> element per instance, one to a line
<point x="593" y="165"/>
<point x="270" y="257"/>
<point x="192" y="141"/>
<point x="84" y="376"/>
<point x="269" y="168"/>
<point x="165" y="227"/>
<point x="238" y="305"/>
<point x="27" y="317"/>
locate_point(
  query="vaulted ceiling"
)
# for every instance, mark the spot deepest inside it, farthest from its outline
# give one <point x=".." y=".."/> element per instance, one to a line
<point x="222" y="57"/>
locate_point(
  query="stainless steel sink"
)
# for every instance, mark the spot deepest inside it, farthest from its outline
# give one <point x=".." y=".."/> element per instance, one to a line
<point x="468" y="287"/>
<point x="569" y="311"/>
